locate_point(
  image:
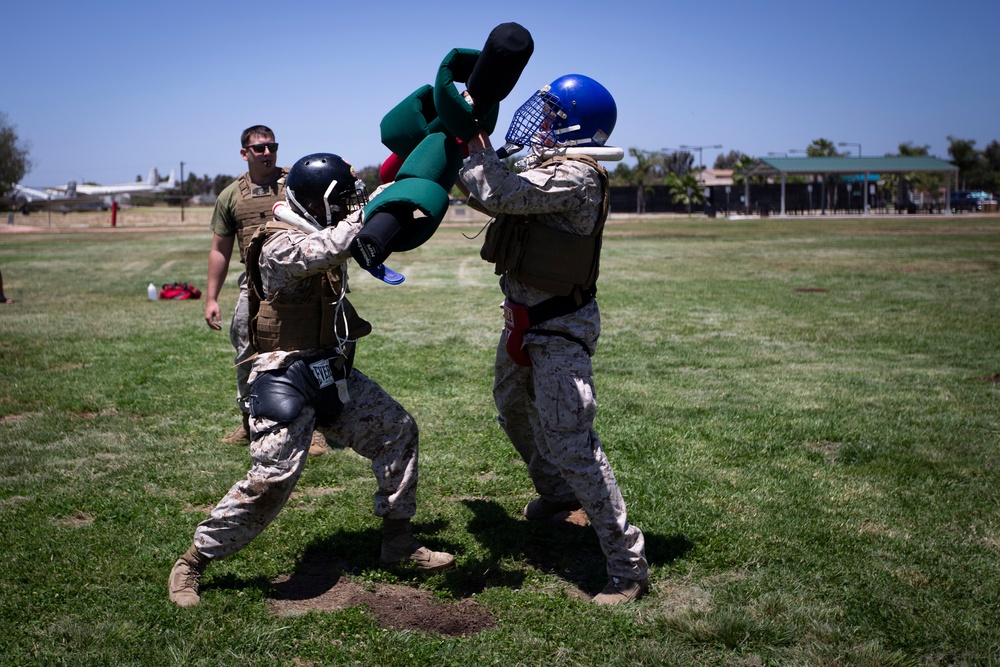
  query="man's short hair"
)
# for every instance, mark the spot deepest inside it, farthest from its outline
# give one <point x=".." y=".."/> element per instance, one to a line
<point x="263" y="130"/>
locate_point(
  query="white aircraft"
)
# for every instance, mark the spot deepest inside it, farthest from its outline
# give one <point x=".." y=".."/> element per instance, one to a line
<point x="73" y="197"/>
<point x="152" y="185"/>
<point x="26" y="200"/>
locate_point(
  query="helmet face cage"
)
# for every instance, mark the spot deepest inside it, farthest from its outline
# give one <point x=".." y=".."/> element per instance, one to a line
<point x="574" y="110"/>
<point x="537" y="120"/>
<point x="324" y="189"/>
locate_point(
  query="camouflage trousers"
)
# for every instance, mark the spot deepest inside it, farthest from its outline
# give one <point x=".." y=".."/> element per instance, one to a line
<point x="239" y="336"/>
<point x="373" y="424"/>
<point x="547" y="411"/>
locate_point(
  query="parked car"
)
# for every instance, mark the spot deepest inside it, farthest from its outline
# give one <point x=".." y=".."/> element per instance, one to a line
<point x="968" y="200"/>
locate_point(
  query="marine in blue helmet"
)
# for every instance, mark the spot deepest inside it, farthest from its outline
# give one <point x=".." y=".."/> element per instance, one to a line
<point x="545" y="242"/>
<point x="304" y="331"/>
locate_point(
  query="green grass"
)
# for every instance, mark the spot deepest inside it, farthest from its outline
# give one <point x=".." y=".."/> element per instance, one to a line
<point x="802" y="414"/>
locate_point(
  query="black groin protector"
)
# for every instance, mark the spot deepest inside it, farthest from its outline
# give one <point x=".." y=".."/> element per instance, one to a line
<point x="280" y="396"/>
<point x="500" y="64"/>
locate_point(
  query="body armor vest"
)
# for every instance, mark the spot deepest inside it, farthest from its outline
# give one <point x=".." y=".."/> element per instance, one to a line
<point x="552" y="260"/>
<point x="253" y="207"/>
<point x="309" y="321"/>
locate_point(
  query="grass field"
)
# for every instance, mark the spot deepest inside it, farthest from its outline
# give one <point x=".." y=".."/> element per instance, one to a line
<point x="802" y="414"/>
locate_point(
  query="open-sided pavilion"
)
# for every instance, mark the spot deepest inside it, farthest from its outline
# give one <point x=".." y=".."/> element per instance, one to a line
<point x="864" y="167"/>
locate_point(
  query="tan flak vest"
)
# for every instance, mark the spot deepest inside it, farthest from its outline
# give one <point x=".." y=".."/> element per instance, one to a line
<point x="309" y="322"/>
<point x="556" y="261"/>
<point x="253" y="207"/>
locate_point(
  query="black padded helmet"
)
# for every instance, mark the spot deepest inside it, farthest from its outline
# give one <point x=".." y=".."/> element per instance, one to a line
<point x="323" y="188"/>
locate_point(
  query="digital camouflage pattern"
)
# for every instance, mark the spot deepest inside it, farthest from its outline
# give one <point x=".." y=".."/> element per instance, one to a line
<point x="289" y="259"/>
<point x="372" y="423"/>
<point x="547" y="409"/>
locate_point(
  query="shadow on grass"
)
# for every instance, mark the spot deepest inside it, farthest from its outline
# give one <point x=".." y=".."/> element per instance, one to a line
<point x="324" y="561"/>
<point x="568" y="551"/>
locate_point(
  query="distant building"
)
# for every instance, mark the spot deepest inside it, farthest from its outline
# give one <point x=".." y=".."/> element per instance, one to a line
<point x="708" y="178"/>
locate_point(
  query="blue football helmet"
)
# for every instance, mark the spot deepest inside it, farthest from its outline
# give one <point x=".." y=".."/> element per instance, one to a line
<point x="573" y="110"/>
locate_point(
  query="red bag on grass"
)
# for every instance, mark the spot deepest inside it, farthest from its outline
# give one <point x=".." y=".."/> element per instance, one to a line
<point x="180" y="291"/>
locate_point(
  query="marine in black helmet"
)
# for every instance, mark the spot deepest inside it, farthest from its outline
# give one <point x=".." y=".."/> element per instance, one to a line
<point x="304" y="331"/>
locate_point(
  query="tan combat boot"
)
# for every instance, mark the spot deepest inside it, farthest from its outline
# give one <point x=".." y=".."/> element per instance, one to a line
<point x="241" y="434"/>
<point x="620" y="590"/>
<point x="318" y="445"/>
<point x="398" y="547"/>
<point x="186" y="576"/>
<point x="541" y="509"/>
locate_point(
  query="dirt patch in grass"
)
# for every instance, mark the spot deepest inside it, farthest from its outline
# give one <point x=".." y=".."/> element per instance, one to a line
<point x="317" y="586"/>
<point x="78" y="520"/>
<point x="829" y="450"/>
<point x="15" y="499"/>
<point x="676" y="599"/>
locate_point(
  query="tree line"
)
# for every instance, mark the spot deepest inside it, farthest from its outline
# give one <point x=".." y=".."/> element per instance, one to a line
<point x="978" y="169"/>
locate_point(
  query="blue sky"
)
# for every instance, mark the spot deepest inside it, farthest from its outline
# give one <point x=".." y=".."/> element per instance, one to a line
<point x="104" y="91"/>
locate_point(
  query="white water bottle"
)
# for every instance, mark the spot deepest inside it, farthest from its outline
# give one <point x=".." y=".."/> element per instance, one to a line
<point x="151" y="292"/>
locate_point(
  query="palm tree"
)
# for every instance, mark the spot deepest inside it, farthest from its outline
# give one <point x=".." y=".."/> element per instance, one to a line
<point x="678" y="162"/>
<point x="739" y="168"/>
<point x="729" y="160"/>
<point x="685" y="189"/>
<point x="646" y="164"/>
<point x="821" y="148"/>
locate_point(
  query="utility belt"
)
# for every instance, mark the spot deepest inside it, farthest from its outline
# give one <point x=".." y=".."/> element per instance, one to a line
<point x="319" y="380"/>
<point x="520" y="319"/>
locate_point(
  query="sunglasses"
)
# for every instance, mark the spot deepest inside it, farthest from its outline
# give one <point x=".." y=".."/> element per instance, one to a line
<point x="259" y="148"/>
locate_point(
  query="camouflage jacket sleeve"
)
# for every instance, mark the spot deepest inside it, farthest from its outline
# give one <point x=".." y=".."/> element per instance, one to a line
<point x="289" y="258"/>
<point x="566" y="195"/>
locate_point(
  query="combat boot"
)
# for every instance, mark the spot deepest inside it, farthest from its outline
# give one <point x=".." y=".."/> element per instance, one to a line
<point x="399" y="546"/>
<point x="186" y="577"/>
<point x="318" y="445"/>
<point x="541" y="509"/>
<point x="240" y="434"/>
<point x="620" y="590"/>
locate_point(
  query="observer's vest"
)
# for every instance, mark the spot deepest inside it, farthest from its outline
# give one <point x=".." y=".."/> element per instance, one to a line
<point x="308" y="322"/>
<point x="253" y="207"/>
<point x="549" y="259"/>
